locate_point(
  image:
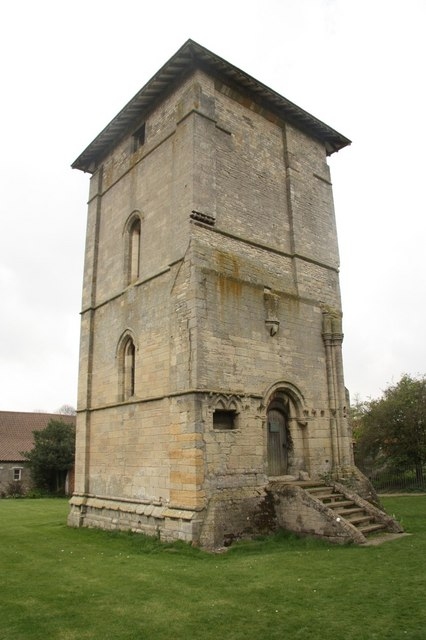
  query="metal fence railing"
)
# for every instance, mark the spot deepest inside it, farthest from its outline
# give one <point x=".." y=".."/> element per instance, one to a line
<point x="388" y="480"/>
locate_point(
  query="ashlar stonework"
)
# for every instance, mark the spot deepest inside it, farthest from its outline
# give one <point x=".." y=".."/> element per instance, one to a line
<point x="211" y="328"/>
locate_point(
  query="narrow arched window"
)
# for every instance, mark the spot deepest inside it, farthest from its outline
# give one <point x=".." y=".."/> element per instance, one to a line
<point x="132" y="238"/>
<point x="134" y="250"/>
<point x="126" y="361"/>
<point x="129" y="368"/>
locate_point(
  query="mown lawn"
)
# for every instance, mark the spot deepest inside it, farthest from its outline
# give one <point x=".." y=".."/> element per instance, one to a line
<point x="61" y="584"/>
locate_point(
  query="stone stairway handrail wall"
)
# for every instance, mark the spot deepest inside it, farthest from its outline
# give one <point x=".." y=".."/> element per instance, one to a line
<point x="380" y="516"/>
<point x="335" y="527"/>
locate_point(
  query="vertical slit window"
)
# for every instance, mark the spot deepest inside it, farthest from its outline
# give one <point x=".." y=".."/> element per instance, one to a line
<point x="129" y="369"/>
<point x="134" y="250"/>
<point x="139" y="138"/>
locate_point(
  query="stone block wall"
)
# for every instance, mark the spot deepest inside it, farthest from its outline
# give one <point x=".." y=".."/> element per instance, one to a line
<point x="238" y="260"/>
<point x="8" y="483"/>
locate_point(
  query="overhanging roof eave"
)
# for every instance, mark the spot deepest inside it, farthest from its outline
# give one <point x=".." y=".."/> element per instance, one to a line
<point x="190" y="56"/>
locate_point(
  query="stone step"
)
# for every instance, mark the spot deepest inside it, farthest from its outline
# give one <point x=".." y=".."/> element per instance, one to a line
<point x="319" y="489"/>
<point x="359" y="519"/>
<point x="354" y="510"/>
<point x="371" y="527"/>
<point x="347" y="509"/>
<point x="340" y="505"/>
<point x="331" y="496"/>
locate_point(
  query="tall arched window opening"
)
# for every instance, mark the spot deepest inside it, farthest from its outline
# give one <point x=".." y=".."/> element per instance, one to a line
<point x="129" y="369"/>
<point x="134" y="250"/>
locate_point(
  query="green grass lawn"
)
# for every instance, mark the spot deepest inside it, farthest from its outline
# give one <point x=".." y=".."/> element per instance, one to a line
<point x="61" y="584"/>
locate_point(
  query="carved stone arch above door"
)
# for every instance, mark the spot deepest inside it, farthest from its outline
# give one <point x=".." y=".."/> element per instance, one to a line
<point x="284" y="411"/>
<point x="290" y="395"/>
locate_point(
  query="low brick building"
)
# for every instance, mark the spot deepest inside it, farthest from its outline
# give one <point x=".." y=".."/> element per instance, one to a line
<point x="16" y="437"/>
<point x="210" y="357"/>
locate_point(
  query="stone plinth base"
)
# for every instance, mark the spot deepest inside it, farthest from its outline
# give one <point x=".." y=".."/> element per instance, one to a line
<point x="126" y="515"/>
<point x="231" y="514"/>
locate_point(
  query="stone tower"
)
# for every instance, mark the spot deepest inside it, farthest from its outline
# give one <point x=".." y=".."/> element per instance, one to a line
<point x="210" y="358"/>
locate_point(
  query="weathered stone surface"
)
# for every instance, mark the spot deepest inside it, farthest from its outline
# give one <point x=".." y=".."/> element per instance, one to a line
<point x="234" y="371"/>
<point x="299" y="511"/>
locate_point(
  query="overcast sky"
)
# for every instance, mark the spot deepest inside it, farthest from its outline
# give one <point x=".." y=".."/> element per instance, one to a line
<point x="69" y="67"/>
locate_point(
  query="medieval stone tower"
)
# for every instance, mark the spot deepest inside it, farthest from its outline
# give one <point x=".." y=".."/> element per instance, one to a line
<point x="211" y="335"/>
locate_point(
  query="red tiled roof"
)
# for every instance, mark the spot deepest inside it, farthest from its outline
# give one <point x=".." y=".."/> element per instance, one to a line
<point x="16" y="431"/>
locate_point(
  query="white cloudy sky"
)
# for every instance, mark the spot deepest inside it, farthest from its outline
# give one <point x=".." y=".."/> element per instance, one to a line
<point x="69" y="67"/>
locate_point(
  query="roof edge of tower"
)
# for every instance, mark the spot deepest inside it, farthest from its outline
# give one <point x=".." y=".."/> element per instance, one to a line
<point x="190" y="56"/>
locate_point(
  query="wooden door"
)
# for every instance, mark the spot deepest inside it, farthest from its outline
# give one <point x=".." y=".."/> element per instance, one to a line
<point x="277" y="443"/>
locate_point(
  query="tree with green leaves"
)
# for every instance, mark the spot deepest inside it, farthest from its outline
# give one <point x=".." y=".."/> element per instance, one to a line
<point x="392" y="429"/>
<point x="52" y="456"/>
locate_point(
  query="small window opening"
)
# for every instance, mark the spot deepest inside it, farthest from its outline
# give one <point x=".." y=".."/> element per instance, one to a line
<point x="139" y="138"/>
<point x="224" y="420"/>
<point x="17" y="474"/>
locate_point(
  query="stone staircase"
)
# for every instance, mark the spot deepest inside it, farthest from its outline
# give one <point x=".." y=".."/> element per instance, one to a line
<point x="358" y="516"/>
<point x="330" y="511"/>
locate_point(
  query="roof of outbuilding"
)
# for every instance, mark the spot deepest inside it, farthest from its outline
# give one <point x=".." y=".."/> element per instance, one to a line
<point x="16" y="431"/>
<point x="189" y="57"/>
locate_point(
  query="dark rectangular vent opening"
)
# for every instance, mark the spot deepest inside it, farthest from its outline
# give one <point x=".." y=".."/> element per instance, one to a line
<point x="224" y="420"/>
<point x="139" y="137"/>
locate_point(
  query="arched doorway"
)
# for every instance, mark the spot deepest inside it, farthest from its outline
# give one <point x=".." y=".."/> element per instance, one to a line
<point x="279" y="440"/>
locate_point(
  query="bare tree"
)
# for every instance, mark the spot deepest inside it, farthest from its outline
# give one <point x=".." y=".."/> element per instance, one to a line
<point x="67" y="410"/>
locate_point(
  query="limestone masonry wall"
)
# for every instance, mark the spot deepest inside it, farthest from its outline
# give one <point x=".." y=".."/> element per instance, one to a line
<point x="237" y="272"/>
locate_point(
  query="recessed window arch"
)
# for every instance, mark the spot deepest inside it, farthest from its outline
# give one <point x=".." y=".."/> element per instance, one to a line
<point x="127" y="366"/>
<point x="132" y="234"/>
<point x="226" y="413"/>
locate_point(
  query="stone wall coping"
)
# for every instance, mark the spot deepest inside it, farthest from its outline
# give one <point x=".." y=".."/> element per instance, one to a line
<point x="129" y="506"/>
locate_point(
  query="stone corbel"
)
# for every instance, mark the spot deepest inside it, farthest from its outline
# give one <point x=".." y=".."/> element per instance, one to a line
<point x="271" y="302"/>
<point x="272" y="326"/>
